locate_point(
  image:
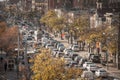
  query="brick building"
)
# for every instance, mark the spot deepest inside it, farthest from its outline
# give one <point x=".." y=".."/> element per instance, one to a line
<point x="52" y="4"/>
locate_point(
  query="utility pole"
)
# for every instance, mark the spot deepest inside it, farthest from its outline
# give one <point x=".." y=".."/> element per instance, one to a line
<point x="18" y="53"/>
<point x="118" y="57"/>
<point x="26" y="62"/>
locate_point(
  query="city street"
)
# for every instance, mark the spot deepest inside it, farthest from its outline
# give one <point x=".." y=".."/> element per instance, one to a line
<point x="59" y="39"/>
<point x="114" y="73"/>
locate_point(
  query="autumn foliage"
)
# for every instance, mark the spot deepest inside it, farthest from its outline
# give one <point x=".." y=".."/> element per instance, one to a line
<point x="2" y="27"/>
<point x="45" y="67"/>
<point x="8" y="39"/>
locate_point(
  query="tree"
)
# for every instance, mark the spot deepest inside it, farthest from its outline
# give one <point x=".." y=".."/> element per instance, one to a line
<point x="8" y="40"/>
<point x="53" y="21"/>
<point x="79" y="25"/>
<point x="45" y="67"/>
<point x="2" y="27"/>
<point x="47" y="16"/>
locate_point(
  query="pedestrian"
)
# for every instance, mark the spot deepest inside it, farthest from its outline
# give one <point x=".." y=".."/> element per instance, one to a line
<point x="1" y="59"/>
<point x="5" y="65"/>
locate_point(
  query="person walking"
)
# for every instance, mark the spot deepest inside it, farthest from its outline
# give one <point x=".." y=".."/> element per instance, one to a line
<point x="1" y="59"/>
<point x="5" y="65"/>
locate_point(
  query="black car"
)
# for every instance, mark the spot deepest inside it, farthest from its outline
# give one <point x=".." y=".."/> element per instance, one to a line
<point x="95" y="58"/>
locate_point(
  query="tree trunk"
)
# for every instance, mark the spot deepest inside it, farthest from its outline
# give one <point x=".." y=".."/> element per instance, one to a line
<point x="114" y="59"/>
<point x="61" y="35"/>
<point x="71" y="37"/>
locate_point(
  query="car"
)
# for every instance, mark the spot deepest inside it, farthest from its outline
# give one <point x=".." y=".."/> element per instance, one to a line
<point x="73" y="55"/>
<point x="77" y="59"/>
<point x="95" y="58"/>
<point x="66" y="49"/>
<point x="82" y="61"/>
<point x="52" y="42"/>
<point x="59" y="54"/>
<point x="30" y="39"/>
<point x="101" y="73"/>
<point x="67" y="52"/>
<point x="56" y="43"/>
<point x="88" y="75"/>
<point x="48" y="46"/>
<point x="75" y="48"/>
<point x="65" y="56"/>
<point x="54" y="50"/>
<point x="86" y="64"/>
<point x="72" y="64"/>
<point x="92" y="67"/>
<point x="59" y="45"/>
<point x="61" y="48"/>
<point x="67" y="60"/>
<point x="72" y="45"/>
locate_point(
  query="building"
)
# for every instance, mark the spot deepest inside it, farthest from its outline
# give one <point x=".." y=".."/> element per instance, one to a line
<point x="12" y="1"/>
<point x="39" y="5"/>
<point x="28" y="5"/>
<point x="104" y="11"/>
<point x="52" y="4"/>
<point x="68" y="4"/>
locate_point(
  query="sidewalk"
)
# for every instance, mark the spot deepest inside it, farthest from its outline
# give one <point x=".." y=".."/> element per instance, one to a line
<point x="8" y="75"/>
<point x="114" y="72"/>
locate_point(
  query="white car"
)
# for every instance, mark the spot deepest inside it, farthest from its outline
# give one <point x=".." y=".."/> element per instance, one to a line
<point x="86" y="64"/>
<point x="101" y="73"/>
<point x="75" y="48"/>
<point x="48" y="46"/>
<point x="68" y="52"/>
<point x="92" y="67"/>
<point x="66" y="49"/>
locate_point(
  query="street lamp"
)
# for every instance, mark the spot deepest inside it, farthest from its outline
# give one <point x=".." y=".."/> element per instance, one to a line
<point x="118" y="57"/>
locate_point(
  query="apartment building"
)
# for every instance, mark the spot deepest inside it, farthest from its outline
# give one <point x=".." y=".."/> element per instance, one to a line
<point x="105" y="11"/>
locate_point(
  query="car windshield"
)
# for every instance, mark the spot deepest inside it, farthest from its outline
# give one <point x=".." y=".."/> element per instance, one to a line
<point x="75" y="54"/>
<point x="96" y="57"/>
<point x="88" y="62"/>
<point x="75" y="46"/>
<point x="55" y="50"/>
<point x="49" y="45"/>
<point x="29" y="38"/>
<point x="92" y="65"/>
<point x="102" y="71"/>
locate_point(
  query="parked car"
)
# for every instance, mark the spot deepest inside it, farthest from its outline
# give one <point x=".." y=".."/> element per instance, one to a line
<point x="95" y="58"/>
<point x="54" y="51"/>
<point x="61" y="48"/>
<point x="67" y="52"/>
<point x="86" y="64"/>
<point x="101" y="73"/>
<point x="75" y="48"/>
<point x="87" y="75"/>
<point x="59" y="54"/>
<point x="77" y="59"/>
<point x="67" y="60"/>
<point x="48" y="46"/>
<point x="66" y="49"/>
<point x="92" y="67"/>
<point x="72" y="64"/>
<point x="73" y="55"/>
<point x="59" y="45"/>
<point x="82" y="61"/>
